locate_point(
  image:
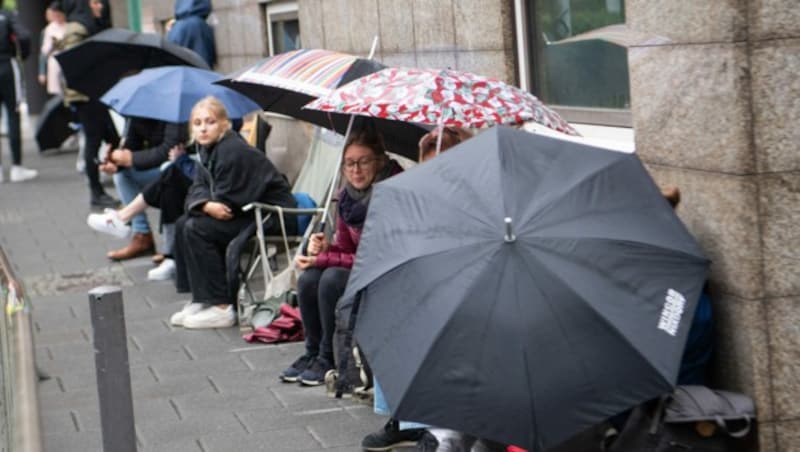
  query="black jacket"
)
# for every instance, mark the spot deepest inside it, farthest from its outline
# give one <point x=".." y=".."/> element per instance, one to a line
<point x="150" y="140"/>
<point x="9" y="25"/>
<point x="235" y="174"/>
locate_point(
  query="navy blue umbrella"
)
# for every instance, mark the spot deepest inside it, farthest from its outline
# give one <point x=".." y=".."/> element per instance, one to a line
<point x="169" y="93"/>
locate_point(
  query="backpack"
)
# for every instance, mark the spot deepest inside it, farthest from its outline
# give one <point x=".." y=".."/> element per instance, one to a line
<point x="692" y="419"/>
<point x="352" y="375"/>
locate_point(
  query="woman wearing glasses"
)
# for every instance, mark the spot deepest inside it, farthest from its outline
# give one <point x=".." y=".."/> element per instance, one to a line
<point x="327" y="265"/>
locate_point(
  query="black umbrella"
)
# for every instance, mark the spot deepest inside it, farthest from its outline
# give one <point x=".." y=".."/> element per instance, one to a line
<point x="52" y="127"/>
<point x="96" y="64"/>
<point x="522" y="288"/>
<point x="286" y="82"/>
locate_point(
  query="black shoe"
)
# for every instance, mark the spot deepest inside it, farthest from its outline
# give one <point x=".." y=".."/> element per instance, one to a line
<point x="103" y="200"/>
<point x="292" y="373"/>
<point x="314" y="375"/>
<point x="391" y="436"/>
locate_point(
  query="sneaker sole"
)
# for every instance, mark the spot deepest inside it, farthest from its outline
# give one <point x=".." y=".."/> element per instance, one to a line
<point x="391" y="446"/>
<point x="288" y="379"/>
<point x="312" y="382"/>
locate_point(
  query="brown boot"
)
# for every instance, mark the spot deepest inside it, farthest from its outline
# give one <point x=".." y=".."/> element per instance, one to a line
<point x="141" y="244"/>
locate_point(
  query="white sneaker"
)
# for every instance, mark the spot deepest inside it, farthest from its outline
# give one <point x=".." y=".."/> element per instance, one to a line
<point x="109" y="223"/>
<point x="164" y="271"/>
<point x="20" y="173"/>
<point x="212" y="317"/>
<point x="188" y="309"/>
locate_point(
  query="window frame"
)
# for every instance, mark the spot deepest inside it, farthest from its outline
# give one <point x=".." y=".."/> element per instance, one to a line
<point x="525" y="40"/>
<point x="286" y="9"/>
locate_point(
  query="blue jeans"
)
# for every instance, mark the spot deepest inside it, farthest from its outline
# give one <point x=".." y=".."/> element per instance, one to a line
<point x="129" y="183"/>
<point x="381" y="407"/>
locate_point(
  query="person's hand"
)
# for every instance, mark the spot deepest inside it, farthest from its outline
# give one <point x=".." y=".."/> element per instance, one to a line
<point x="317" y="243"/>
<point x="217" y="210"/>
<point x="121" y="157"/>
<point x="176" y="151"/>
<point x="304" y="262"/>
<point x="42" y="79"/>
<point x="108" y="167"/>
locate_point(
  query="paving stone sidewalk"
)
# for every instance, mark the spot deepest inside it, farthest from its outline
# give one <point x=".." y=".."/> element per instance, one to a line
<point x="193" y="390"/>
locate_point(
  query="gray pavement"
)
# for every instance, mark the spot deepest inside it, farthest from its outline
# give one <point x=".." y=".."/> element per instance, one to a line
<point x="193" y="390"/>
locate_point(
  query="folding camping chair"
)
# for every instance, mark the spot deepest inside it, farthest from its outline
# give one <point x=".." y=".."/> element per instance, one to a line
<point x="264" y="275"/>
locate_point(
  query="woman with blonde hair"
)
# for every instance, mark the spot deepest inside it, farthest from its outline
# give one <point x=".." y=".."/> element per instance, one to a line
<point x="231" y="175"/>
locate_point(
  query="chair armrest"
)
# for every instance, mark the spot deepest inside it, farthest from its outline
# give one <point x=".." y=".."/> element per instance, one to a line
<point x="286" y="210"/>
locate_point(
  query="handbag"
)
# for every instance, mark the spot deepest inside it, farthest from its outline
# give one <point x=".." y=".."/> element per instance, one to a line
<point x="693" y="418"/>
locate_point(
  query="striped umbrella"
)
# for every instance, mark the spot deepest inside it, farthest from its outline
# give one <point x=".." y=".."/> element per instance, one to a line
<point x="286" y="82"/>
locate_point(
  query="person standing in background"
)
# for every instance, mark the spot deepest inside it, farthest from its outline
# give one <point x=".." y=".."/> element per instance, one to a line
<point x="49" y="70"/>
<point x="191" y="30"/>
<point x="14" y="38"/>
<point x="84" y="19"/>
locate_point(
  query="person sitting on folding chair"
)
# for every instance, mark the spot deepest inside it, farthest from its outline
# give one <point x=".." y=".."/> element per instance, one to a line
<point x="327" y="265"/>
<point x="231" y="175"/>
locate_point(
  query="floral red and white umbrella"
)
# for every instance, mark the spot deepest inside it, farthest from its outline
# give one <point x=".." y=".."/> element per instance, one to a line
<point x="440" y="97"/>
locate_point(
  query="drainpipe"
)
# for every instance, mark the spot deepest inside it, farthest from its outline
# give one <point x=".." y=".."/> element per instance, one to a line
<point x="135" y="15"/>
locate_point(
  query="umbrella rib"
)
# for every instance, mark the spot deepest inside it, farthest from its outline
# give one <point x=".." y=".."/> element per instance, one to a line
<point x="569" y="189"/>
<point x="598" y="313"/>
<point x="670" y="251"/>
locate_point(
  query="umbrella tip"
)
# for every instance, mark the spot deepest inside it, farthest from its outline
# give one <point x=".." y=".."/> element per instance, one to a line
<point x="510" y="237"/>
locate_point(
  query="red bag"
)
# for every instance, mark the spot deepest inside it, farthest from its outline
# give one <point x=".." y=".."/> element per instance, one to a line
<point x="288" y="327"/>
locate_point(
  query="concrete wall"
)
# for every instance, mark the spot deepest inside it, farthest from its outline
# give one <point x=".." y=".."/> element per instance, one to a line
<point x="716" y="111"/>
<point x="470" y="35"/>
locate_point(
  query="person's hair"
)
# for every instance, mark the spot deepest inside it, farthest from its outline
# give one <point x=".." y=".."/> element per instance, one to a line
<point x="672" y="194"/>
<point x="216" y="108"/>
<point x="55" y="6"/>
<point x="451" y="136"/>
<point x="368" y="138"/>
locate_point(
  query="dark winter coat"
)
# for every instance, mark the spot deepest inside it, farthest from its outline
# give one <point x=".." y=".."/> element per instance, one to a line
<point x="236" y="174"/>
<point x="191" y="29"/>
<point x="150" y="140"/>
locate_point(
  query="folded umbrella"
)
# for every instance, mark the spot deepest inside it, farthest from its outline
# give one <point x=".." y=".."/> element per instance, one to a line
<point x="96" y="64"/>
<point x="169" y="93"/>
<point x="286" y="82"/>
<point x="53" y="125"/>
<point x="522" y="288"/>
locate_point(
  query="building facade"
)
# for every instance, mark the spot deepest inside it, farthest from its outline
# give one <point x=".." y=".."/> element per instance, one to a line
<point x="710" y="88"/>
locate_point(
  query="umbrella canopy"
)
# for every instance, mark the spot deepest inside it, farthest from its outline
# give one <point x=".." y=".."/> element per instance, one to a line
<point x="286" y="82"/>
<point x="52" y="127"/>
<point x="440" y="97"/>
<point x="96" y="64"/>
<point x="522" y="288"/>
<point x="169" y="93"/>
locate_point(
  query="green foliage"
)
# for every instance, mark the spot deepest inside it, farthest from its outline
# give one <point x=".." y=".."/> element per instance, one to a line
<point x="10" y="4"/>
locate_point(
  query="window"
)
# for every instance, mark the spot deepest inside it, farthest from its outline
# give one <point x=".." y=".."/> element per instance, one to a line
<point x="573" y="56"/>
<point x="283" y="27"/>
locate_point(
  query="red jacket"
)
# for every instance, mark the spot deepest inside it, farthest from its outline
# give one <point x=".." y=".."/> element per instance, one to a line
<point x="342" y="251"/>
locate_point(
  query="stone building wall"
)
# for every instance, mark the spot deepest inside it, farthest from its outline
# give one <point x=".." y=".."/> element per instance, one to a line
<point x="475" y="36"/>
<point x="716" y="111"/>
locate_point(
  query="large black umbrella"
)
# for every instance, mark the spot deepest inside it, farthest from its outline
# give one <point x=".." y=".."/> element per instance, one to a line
<point x="286" y="82"/>
<point x="96" y="64"/>
<point x="52" y="127"/>
<point x="522" y="288"/>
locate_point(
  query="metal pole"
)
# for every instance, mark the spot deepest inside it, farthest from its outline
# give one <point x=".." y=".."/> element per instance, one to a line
<point x="113" y="373"/>
<point x="24" y="427"/>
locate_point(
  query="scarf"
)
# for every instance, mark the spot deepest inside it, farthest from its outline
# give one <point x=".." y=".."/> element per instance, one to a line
<point x="353" y="203"/>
